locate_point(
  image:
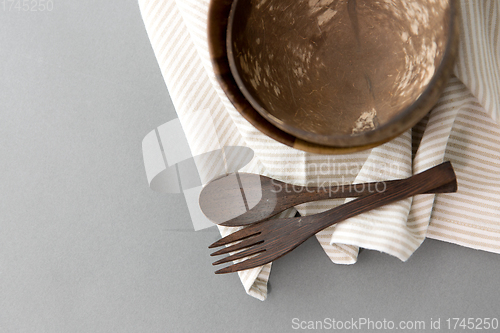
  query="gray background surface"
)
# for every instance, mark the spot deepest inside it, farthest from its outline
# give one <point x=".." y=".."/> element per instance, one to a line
<point x="86" y="246"/>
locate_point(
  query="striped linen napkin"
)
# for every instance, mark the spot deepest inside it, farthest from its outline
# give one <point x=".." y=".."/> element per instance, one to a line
<point x="462" y="128"/>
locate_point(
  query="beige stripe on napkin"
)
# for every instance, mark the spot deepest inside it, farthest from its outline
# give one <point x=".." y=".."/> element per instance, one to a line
<point x="461" y="128"/>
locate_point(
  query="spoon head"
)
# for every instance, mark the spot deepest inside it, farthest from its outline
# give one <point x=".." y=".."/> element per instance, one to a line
<point x="238" y="199"/>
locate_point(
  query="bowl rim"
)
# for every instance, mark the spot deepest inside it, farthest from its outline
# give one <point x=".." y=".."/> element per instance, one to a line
<point x="218" y="24"/>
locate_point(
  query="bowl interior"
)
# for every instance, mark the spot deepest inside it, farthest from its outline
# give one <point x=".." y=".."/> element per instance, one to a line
<point x="339" y="72"/>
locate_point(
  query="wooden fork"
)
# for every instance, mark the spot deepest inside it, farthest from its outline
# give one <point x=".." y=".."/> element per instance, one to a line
<point x="271" y="239"/>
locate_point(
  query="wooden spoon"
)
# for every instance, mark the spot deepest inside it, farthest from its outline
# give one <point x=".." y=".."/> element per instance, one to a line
<point x="261" y="243"/>
<point x="242" y="198"/>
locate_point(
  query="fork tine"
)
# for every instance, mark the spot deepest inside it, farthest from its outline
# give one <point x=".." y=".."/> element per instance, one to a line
<point x="236" y="236"/>
<point x="240" y="255"/>
<point x="239" y="246"/>
<point x="247" y="264"/>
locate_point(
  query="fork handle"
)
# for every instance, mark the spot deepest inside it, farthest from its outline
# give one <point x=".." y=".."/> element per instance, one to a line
<point x="304" y="194"/>
<point x="435" y="177"/>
